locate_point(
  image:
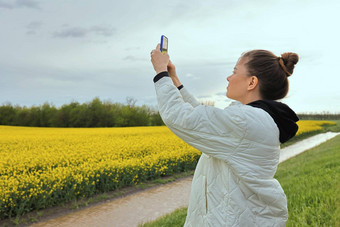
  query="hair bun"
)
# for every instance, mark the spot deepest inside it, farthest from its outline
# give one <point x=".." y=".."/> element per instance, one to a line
<point x="290" y="59"/>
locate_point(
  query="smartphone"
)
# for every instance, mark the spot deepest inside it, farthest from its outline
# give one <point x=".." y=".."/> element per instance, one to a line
<point x="164" y="44"/>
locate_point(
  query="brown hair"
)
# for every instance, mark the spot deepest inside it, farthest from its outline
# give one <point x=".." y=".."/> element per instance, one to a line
<point x="271" y="71"/>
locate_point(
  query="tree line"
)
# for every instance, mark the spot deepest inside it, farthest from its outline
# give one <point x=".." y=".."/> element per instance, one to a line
<point x="99" y="114"/>
<point x="319" y="116"/>
<point x="91" y="114"/>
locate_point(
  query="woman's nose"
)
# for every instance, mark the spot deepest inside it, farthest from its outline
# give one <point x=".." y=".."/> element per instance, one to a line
<point x="228" y="78"/>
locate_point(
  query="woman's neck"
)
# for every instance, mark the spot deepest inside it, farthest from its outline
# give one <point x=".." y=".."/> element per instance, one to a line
<point x="251" y="97"/>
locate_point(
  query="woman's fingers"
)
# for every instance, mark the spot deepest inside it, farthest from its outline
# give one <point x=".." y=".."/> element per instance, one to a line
<point x="159" y="60"/>
<point x="157" y="49"/>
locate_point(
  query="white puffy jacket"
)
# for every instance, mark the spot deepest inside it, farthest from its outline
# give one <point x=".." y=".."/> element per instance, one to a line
<point x="233" y="184"/>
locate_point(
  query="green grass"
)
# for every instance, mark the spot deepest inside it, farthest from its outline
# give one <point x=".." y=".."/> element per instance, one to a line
<point x="311" y="183"/>
<point x="176" y="218"/>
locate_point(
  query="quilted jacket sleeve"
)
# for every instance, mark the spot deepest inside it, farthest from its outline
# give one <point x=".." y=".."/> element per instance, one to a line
<point x="187" y="97"/>
<point x="213" y="131"/>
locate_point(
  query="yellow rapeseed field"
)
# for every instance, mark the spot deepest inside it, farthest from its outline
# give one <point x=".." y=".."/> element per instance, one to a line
<point x="307" y="126"/>
<point x="41" y="167"/>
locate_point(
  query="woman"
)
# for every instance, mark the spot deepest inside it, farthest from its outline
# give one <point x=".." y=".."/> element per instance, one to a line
<point x="234" y="183"/>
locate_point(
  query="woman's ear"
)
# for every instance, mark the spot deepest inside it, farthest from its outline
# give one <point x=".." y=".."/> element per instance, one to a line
<point x="252" y="83"/>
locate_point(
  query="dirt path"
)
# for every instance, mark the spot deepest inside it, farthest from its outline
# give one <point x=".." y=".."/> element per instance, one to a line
<point x="150" y="204"/>
<point x="131" y="210"/>
<point x="306" y="144"/>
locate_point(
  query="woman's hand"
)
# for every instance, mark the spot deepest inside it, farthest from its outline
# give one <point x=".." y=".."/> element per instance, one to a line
<point x="159" y="60"/>
<point x="173" y="74"/>
<point x="171" y="69"/>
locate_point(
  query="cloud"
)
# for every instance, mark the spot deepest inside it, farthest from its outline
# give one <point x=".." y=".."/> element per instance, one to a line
<point x="101" y="30"/>
<point x="220" y="94"/>
<point x="78" y="32"/>
<point x="133" y="58"/>
<point x="33" y="27"/>
<point x="20" y="4"/>
<point x="132" y="48"/>
<point x="191" y="76"/>
<point x="71" y="32"/>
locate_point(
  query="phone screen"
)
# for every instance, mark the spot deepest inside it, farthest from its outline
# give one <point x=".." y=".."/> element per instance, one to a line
<point x="164" y="44"/>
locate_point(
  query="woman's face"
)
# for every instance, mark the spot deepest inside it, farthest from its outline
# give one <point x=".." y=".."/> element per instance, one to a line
<point x="238" y="81"/>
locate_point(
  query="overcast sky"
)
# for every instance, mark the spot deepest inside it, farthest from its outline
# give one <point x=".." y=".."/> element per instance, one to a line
<point x="63" y="51"/>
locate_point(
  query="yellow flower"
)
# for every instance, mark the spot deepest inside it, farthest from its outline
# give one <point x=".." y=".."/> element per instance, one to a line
<point x="36" y="162"/>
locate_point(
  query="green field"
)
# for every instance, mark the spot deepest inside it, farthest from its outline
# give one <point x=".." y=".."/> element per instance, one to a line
<point x="311" y="183"/>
